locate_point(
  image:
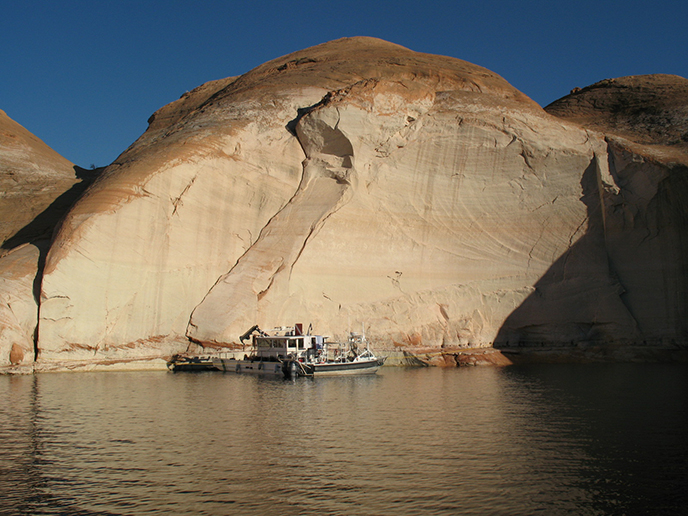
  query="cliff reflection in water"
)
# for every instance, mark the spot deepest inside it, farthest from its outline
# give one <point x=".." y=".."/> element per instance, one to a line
<point x="585" y="439"/>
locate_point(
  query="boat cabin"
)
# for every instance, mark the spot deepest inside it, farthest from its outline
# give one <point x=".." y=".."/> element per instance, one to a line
<point x="286" y="342"/>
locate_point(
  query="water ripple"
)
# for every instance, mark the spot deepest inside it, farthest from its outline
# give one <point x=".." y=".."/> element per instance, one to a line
<point x="551" y="439"/>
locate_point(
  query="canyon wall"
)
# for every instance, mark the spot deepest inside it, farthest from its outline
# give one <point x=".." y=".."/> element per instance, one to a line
<point x="37" y="186"/>
<point x="360" y="184"/>
<point x="636" y="228"/>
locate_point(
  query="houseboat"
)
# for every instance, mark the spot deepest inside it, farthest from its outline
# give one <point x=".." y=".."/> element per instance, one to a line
<point x="291" y="352"/>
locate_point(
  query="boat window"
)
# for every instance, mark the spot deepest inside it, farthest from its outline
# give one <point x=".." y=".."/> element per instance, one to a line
<point x="300" y="341"/>
<point x="292" y="343"/>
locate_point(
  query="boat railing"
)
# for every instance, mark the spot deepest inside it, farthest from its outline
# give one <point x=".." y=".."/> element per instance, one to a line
<point x="229" y="355"/>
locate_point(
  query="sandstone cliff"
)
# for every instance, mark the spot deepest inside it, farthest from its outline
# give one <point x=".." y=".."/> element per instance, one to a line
<point x="408" y="192"/>
<point x="37" y="186"/>
<point x="360" y="183"/>
<point x="647" y="109"/>
<point x="636" y="229"/>
<point x="32" y="178"/>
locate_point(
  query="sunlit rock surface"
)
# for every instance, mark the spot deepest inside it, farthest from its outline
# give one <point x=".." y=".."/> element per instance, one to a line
<point x="32" y="178"/>
<point x="646" y="109"/>
<point x="18" y="305"/>
<point x="360" y="184"/>
<point x="37" y="186"/>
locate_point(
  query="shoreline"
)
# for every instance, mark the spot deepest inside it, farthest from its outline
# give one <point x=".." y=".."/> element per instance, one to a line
<point x="416" y="357"/>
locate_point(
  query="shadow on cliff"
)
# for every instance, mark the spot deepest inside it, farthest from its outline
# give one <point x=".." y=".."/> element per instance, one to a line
<point x="39" y="231"/>
<point x="43" y="225"/>
<point x="607" y="288"/>
<point x="574" y="299"/>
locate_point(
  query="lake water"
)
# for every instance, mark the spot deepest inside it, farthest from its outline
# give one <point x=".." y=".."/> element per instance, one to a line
<point x="549" y="439"/>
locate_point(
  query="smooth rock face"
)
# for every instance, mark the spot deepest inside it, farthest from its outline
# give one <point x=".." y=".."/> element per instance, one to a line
<point x="37" y="185"/>
<point x="400" y="223"/>
<point x="638" y="225"/>
<point x="18" y="305"/>
<point x="419" y="196"/>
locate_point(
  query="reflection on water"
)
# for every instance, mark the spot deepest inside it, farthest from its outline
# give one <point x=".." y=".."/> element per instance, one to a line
<point x="593" y="439"/>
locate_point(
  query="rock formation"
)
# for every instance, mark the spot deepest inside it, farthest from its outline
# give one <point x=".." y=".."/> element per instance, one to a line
<point x="636" y="230"/>
<point x="646" y="109"/>
<point x="360" y="183"/>
<point x="32" y="178"/>
<point x="18" y="305"/>
<point x="418" y="195"/>
<point x="37" y="186"/>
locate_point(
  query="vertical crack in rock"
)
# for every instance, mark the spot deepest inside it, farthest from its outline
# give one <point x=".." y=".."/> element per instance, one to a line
<point x="615" y="192"/>
<point x="264" y="269"/>
<point x="576" y="300"/>
<point x="176" y="202"/>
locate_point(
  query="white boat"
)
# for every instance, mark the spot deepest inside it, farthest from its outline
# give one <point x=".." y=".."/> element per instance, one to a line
<point x="354" y="357"/>
<point x="290" y="352"/>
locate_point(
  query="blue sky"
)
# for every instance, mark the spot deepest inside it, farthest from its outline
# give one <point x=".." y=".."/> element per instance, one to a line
<point x="84" y="76"/>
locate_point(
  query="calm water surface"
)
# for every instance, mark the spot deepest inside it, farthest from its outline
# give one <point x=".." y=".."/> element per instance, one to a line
<point x="555" y="439"/>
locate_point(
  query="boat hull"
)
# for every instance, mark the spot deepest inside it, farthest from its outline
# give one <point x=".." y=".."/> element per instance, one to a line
<point x="262" y="367"/>
<point x="296" y="368"/>
<point x="191" y="364"/>
<point x="356" y="367"/>
<point x="345" y="368"/>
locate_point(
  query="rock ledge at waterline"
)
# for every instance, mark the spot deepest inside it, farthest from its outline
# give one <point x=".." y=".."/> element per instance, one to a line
<point x="361" y="184"/>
